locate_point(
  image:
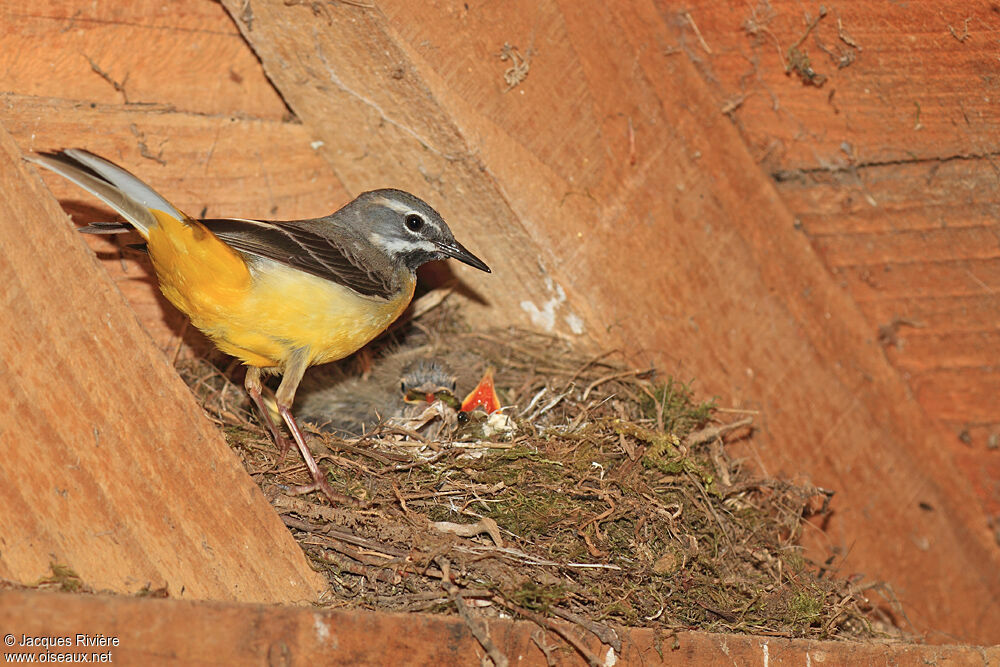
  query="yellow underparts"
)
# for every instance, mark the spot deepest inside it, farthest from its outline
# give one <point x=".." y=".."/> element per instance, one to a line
<point x="263" y="315"/>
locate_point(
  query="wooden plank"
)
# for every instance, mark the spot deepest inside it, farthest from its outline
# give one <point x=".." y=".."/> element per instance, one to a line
<point x="947" y="313"/>
<point x="171" y="632"/>
<point x="968" y="242"/>
<point x="184" y="54"/>
<point x="673" y="246"/>
<point x="948" y="392"/>
<point x="110" y="467"/>
<point x="210" y="165"/>
<point x="889" y="169"/>
<point x="921" y="351"/>
<point x="904" y="81"/>
<point x="916" y="245"/>
<point x="921" y="279"/>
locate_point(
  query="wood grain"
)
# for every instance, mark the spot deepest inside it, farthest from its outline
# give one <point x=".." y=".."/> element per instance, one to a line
<point x="917" y="246"/>
<point x="890" y="169"/>
<point x="904" y="81"/>
<point x="185" y="55"/>
<point x="172" y="632"/>
<point x="109" y="466"/>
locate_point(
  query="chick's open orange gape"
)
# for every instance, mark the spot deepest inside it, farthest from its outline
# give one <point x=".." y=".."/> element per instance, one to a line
<point x="280" y="296"/>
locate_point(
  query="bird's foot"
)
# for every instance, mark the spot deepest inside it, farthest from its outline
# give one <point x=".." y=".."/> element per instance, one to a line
<point x="324" y="487"/>
<point x="283" y="443"/>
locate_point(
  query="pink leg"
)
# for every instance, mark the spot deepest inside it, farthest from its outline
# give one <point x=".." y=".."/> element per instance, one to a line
<point x="295" y="367"/>
<point x="254" y="388"/>
<point x="319" y="479"/>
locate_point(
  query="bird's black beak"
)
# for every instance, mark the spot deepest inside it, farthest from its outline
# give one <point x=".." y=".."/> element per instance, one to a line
<point x="456" y="250"/>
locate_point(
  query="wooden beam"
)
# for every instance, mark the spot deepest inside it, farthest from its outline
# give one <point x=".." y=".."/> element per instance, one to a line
<point x="172" y="632"/>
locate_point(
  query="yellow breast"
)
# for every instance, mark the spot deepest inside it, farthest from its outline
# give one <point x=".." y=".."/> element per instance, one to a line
<point x="288" y="309"/>
<point x="261" y="314"/>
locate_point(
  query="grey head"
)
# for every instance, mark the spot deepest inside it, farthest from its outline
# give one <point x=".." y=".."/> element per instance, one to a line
<point x="406" y="229"/>
<point x="427" y="379"/>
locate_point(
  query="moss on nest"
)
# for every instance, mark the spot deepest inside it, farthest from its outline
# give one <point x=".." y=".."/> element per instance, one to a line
<point x="615" y="501"/>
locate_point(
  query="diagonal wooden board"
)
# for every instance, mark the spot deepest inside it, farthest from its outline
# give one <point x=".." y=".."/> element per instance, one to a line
<point x="108" y="465"/>
<point x="612" y="197"/>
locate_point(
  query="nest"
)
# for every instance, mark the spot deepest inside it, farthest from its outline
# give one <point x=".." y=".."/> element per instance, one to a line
<point x="612" y="501"/>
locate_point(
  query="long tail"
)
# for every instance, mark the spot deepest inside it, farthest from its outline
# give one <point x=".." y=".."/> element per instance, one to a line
<point x="116" y="187"/>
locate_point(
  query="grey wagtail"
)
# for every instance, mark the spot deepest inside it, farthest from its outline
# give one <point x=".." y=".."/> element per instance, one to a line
<point x="280" y="296"/>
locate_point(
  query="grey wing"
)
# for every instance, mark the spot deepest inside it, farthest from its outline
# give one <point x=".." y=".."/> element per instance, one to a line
<point x="343" y="405"/>
<point x="296" y="245"/>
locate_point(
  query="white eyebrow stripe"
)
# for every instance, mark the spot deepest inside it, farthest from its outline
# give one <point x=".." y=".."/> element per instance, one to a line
<point x="397" y="206"/>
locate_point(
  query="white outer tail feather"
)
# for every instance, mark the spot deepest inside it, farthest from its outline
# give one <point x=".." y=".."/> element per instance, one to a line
<point x="123" y="192"/>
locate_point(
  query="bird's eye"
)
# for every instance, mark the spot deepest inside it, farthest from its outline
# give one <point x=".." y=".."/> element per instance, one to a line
<point x="453" y="385"/>
<point x="413" y="222"/>
<point x="402" y="386"/>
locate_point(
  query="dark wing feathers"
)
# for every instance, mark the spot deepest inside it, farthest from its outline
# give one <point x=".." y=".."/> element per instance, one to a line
<point x="107" y="228"/>
<point x="304" y="249"/>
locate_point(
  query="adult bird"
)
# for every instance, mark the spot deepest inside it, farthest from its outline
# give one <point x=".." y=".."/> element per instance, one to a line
<point x="279" y="296"/>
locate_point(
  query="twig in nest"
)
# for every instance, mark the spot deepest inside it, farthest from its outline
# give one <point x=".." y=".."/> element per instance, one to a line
<point x="713" y="432"/>
<point x="606" y="634"/>
<point x="371" y="547"/>
<point x="285" y="503"/>
<point x="551" y="404"/>
<point x="711" y="508"/>
<point x="593" y="361"/>
<point x="614" y="376"/>
<point x="598" y="518"/>
<point x="485" y="525"/>
<point x="549" y="624"/>
<point x="724" y="615"/>
<point x="419" y="462"/>
<point x="573" y="425"/>
<point x="538" y="636"/>
<point x="478" y="630"/>
<point x="409" y="432"/>
<point x="385" y="458"/>
<point x="537" y="397"/>
<point x="593" y="550"/>
<point x="717" y="455"/>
